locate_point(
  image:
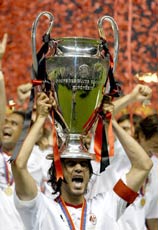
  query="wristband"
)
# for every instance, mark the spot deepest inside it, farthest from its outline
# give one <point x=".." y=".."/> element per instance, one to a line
<point x="125" y="192"/>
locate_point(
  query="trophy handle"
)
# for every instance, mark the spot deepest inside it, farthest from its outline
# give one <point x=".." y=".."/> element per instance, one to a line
<point x="33" y="35"/>
<point x="116" y="35"/>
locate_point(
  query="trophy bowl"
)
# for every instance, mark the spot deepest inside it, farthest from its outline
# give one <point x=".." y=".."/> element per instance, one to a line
<point x="78" y="74"/>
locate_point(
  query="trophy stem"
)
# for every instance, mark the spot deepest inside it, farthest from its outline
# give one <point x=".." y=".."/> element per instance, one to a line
<point x="74" y="143"/>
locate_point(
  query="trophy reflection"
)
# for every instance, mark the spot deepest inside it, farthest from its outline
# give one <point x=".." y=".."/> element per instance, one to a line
<point x="78" y="74"/>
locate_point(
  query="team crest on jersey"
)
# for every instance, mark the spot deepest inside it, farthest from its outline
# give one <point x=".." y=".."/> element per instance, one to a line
<point x="93" y="219"/>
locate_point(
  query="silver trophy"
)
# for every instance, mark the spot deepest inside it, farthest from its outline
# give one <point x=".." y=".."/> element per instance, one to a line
<point x="78" y="73"/>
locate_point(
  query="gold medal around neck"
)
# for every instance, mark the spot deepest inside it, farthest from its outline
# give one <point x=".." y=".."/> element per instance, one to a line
<point x="8" y="191"/>
<point x="143" y="201"/>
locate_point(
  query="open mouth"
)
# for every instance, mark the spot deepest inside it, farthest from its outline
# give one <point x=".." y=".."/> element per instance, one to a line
<point x="6" y="134"/>
<point x="77" y="179"/>
<point x="77" y="182"/>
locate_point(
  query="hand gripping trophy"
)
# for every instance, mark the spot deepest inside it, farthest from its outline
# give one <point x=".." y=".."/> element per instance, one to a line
<point x="79" y="71"/>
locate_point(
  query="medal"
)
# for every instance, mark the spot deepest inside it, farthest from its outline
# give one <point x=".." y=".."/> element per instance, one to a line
<point x="9" y="178"/>
<point x="142" y="201"/>
<point x="142" y="192"/>
<point x="8" y="190"/>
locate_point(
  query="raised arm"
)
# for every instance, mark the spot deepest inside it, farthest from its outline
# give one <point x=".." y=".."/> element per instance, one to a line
<point x="25" y="185"/>
<point x="140" y="93"/>
<point x="2" y="82"/>
<point x="141" y="163"/>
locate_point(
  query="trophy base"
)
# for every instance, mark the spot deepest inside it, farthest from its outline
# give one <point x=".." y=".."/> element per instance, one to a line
<point x="74" y="148"/>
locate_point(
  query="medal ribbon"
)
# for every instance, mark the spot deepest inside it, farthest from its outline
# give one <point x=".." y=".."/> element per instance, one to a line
<point x="68" y="217"/>
<point x="8" y="178"/>
<point x="143" y="188"/>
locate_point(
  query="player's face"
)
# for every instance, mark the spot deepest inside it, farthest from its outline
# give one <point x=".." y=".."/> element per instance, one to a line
<point x="76" y="176"/>
<point x="11" y="131"/>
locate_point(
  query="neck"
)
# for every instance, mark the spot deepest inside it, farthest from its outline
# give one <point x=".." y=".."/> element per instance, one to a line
<point x="72" y="199"/>
<point x="8" y="152"/>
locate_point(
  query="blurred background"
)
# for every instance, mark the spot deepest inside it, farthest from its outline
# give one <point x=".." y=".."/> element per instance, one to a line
<point x="137" y="21"/>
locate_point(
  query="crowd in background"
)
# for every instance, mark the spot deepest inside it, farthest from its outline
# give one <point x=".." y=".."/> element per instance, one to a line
<point x="142" y="214"/>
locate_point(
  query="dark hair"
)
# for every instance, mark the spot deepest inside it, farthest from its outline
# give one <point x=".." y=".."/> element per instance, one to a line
<point x="136" y="118"/>
<point x="56" y="185"/>
<point x="148" y="126"/>
<point x="20" y="113"/>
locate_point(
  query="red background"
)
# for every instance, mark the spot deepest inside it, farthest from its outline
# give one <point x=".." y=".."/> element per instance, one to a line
<point x="138" y="30"/>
